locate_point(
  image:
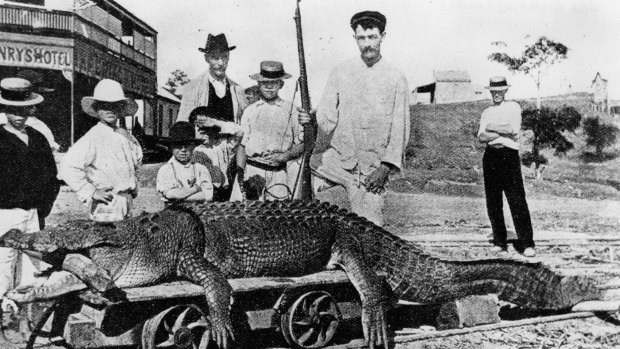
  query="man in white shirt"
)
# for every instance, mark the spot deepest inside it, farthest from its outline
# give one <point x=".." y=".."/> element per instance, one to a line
<point x="365" y="110"/>
<point x="101" y="166"/>
<point x="499" y="127"/>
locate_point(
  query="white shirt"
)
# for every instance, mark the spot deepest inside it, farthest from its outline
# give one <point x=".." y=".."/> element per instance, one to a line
<point x="101" y="158"/>
<point x="174" y="174"/>
<point x="218" y="85"/>
<point x="508" y="112"/>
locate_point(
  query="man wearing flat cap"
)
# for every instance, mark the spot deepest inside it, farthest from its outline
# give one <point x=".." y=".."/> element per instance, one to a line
<point x="213" y="88"/>
<point x="365" y="110"/>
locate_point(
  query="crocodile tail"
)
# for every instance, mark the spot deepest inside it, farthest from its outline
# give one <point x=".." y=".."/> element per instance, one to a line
<point x="419" y="277"/>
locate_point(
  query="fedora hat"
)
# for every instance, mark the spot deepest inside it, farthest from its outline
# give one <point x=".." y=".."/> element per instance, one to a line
<point x="182" y="132"/>
<point x="36" y="79"/>
<point x="18" y="92"/>
<point x="109" y="91"/>
<point x="217" y="43"/>
<point x="270" y="70"/>
<point x="498" y="83"/>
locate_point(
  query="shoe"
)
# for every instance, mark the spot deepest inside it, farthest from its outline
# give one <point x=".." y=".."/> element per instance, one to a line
<point x="497" y="249"/>
<point x="529" y="252"/>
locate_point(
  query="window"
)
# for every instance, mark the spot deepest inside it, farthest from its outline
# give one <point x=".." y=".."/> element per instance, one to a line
<point x="28" y="2"/>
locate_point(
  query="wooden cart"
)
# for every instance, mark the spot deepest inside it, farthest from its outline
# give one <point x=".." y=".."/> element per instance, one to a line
<point x="305" y="310"/>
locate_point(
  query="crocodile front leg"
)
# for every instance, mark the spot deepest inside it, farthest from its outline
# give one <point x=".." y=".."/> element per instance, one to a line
<point x="374" y="296"/>
<point x="217" y="291"/>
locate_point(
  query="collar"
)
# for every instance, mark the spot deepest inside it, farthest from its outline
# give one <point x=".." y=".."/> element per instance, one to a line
<point x="213" y="80"/>
<point x="278" y="102"/>
<point x="175" y="162"/>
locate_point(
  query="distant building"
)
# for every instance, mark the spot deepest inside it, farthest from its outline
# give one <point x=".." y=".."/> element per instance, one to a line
<point x="73" y="44"/>
<point x="167" y="110"/>
<point x="450" y="86"/>
<point x="600" y="98"/>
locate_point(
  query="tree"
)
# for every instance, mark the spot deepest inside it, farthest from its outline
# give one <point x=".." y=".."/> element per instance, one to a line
<point x="177" y="79"/>
<point x="534" y="61"/>
<point x="547" y="126"/>
<point x="600" y="134"/>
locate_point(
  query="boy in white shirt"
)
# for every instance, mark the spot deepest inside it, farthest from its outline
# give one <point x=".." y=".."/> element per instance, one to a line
<point x="182" y="179"/>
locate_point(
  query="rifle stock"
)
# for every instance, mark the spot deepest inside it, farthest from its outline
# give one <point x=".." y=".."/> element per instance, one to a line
<point x="303" y="189"/>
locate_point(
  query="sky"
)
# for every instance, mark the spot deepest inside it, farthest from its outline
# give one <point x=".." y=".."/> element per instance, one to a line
<point x="422" y="36"/>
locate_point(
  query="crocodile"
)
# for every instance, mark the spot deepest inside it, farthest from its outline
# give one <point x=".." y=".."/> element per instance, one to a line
<point x="294" y="238"/>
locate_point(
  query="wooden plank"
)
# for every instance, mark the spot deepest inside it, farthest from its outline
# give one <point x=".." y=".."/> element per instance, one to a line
<point x="597" y="306"/>
<point x="187" y="289"/>
<point x="405" y="337"/>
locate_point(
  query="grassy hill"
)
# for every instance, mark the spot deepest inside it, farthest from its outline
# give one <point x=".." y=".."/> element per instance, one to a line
<point x="444" y="154"/>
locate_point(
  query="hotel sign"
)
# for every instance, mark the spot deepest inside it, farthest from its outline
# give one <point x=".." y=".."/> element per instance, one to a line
<point x="36" y="56"/>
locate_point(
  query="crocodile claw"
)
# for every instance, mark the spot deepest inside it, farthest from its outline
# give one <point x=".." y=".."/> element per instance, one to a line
<point x="221" y="329"/>
<point x="374" y="325"/>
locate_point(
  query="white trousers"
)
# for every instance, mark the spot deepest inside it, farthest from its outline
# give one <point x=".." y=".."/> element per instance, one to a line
<point x="16" y="268"/>
<point x="363" y="202"/>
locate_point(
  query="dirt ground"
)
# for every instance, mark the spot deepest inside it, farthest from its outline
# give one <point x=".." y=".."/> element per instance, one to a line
<point x="420" y="216"/>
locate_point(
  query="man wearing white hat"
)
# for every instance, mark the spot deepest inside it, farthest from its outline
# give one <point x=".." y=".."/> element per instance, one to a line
<point x="101" y="166"/>
<point x="27" y="177"/>
<point x="499" y="127"/>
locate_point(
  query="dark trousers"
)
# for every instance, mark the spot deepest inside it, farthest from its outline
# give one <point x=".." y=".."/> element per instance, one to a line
<point x="502" y="174"/>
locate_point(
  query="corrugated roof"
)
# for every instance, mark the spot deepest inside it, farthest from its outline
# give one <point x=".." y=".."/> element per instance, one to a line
<point x="451" y="75"/>
<point x="166" y="94"/>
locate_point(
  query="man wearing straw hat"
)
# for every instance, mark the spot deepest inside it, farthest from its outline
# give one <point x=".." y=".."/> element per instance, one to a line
<point x="213" y="88"/>
<point x="499" y="128"/>
<point x="27" y="177"/>
<point x="101" y="166"/>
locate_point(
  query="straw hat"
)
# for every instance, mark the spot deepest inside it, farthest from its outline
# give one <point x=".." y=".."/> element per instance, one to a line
<point x="269" y="71"/>
<point x="18" y="92"/>
<point x="109" y="91"/>
<point x="498" y="83"/>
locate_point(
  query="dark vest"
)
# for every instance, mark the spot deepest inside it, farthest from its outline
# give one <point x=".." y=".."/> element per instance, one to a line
<point x="222" y="106"/>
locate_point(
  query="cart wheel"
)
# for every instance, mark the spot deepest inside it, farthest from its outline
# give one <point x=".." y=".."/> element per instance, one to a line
<point x="311" y="321"/>
<point x="181" y="326"/>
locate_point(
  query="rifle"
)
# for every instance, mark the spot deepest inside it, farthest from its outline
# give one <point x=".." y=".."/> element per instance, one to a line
<point x="303" y="187"/>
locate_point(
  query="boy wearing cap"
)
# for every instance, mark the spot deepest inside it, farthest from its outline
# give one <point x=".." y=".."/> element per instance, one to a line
<point x="182" y="179"/>
<point x="271" y="138"/>
<point x="27" y="176"/>
<point x="101" y="166"/>
<point x="213" y="88"/>
<point x="218" y="149"/>
<point x="499" y="128"/>
<point x="364" y="116"/>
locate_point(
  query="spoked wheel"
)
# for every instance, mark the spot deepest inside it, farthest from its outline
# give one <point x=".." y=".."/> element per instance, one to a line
<point x="311" y="321"/>
<point x="182" y="326"/>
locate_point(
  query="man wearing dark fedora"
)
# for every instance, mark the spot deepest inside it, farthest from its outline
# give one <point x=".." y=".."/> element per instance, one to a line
<point x="363" y="117"/>
<point x="27" y="177"/>
<point x="213" y="88"/>
<point x="181" y="179"/>
<point x="499" y="129"/>
<point x="271" y="139"/>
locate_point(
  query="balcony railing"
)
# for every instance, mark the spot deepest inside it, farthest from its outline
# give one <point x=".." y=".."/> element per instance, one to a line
<point x="39" y="21"/>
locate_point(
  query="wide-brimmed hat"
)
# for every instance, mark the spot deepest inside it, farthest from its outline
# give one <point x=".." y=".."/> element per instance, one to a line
<point x="217" y="43"/>
<point x="18" y="92"/>
<point x="109" y="91"/>
<point x="269" y="71"/>
<point x="36" y="79"/>
<point x="498" y="83"/>
<point x="182" y="132"/>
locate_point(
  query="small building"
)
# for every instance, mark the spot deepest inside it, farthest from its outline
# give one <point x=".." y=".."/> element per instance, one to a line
<point x="449" y="86"/>
<point x="168" y="106"/>
<point x="600" y="98"/>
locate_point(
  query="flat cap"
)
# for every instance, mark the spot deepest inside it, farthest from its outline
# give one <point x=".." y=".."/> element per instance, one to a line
<point x="373" y="16"/>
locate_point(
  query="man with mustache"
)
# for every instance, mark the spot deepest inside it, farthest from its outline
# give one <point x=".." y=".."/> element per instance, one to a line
<point x="365" y="110"/>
